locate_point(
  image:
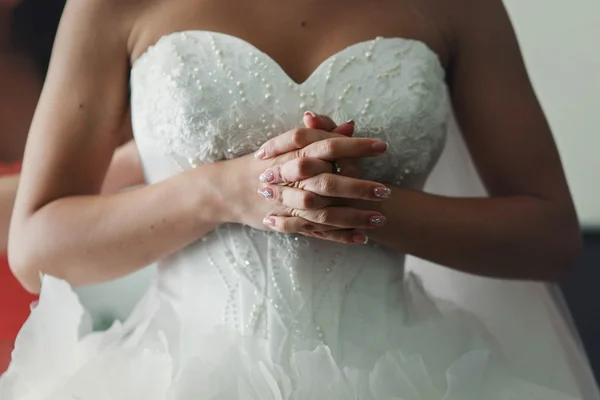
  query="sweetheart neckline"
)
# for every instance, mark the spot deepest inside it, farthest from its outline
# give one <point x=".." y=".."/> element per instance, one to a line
<point x="278" y="66"/>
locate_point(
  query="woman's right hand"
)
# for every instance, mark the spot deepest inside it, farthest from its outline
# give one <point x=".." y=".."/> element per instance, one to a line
<point x="252" y="202"/>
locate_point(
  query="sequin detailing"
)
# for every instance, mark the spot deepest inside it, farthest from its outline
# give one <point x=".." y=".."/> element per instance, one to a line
<point x="200" y="97"/>
<point x="205" y="97"/>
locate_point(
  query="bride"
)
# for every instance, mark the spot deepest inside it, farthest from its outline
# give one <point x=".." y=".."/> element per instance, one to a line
<point x="286" y="146"/>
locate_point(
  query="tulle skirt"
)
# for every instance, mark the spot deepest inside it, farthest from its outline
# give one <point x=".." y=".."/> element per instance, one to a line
<point x="58" y="357"/>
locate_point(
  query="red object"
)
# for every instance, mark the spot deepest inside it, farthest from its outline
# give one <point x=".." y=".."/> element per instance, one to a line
<point x="14" y="300"/>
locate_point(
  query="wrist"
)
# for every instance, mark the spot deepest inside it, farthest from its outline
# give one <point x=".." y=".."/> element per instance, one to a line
<point x="220" y="191"/>
<point x="208" y="198"/>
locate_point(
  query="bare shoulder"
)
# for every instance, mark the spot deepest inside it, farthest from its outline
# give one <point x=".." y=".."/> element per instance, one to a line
<point x="475" y="17"/>
<point x="105" y="19"/>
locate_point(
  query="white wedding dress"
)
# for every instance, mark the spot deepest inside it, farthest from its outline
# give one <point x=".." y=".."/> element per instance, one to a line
<point x="253" y="315"/>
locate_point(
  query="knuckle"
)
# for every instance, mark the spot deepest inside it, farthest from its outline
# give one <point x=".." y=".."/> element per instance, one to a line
<point x="309" y="200"/>
<point x="298" y="153"/>
<point x="308" y="227"/>
<point x="298" y="137"/>
<point x="329" y="146"/>
<point x="323" y="217"/>
<point x="286" y="225"/>
<point x="303" y="167"/>
<point x="326" y="183"/>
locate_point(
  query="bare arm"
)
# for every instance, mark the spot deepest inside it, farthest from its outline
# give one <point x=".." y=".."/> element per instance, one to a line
<point x="125" y="171"/>
<point x="8" y="191"/>
<point x="528" y="228"/>
<point x="60" y="226"/>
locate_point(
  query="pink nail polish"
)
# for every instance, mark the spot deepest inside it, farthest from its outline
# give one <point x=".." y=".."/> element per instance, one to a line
<point x="377" y="220"/>
<point x="260" y="154"/>
<point x="380" y="147"/>
<point x="267" y="176"/>
<point x="269" y="221"/>
<point x="267" y="193"/>
<point x="312" y="114"/>
<point x="360" y="238"/>
<point x="382" y="192"/>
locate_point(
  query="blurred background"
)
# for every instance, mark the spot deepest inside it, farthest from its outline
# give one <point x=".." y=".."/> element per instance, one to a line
<point x="560" y="42"/>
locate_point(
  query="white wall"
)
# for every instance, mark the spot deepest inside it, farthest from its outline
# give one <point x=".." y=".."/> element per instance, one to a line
<point x="560" y="40"/>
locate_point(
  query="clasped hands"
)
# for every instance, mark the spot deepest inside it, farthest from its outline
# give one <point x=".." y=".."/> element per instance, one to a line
<point x="306" y="181"/>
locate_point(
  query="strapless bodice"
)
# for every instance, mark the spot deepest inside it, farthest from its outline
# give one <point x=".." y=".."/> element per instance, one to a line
<point x="200" y="97"/>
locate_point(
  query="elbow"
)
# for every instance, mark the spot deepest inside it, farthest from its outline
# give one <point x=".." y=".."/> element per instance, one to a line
<point x="565" y="252"/>
<point x="23" y="265"/>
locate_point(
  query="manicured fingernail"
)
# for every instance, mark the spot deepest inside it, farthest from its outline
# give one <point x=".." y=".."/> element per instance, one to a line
<point x="351" y="122"/>
<point x="312" y="114"/>
<point x="269" y="221"/>
<point x="380" y="146"/>
<point x="377" y="220"/>
<point x="267" y="176"/>
<point x="267" y="193"/>
<point x="360" y="238"/>
<point x="382" y="192"/>
<point x="260" y="154"/>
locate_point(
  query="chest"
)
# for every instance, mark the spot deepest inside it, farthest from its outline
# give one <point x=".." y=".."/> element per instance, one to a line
<point x="204" y="96"/>
<point x="298" y="34"/>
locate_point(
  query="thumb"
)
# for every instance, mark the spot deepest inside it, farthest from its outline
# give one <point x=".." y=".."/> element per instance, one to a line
<point x="324" y="123"/>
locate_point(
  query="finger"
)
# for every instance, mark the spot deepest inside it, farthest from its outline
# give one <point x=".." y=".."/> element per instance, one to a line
<point x="340" y="236"/>
<point x="314" y="121"/>
<point x="346" y="129"/>
<point x="348" y="168"/>
<point x="343" y="217"/>
<point x="295" y="198"/>
<point x="335" y="148"/>
<point x="294" y="225"/>
<point x="332" y="185"/>
<point x="299" y="169"/>
<point x="292" y="140"/>
<point x="296" y="170"/>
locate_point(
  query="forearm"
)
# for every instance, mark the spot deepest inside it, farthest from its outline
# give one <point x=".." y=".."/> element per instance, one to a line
<point x="91" y="239"/>
<point x="512" y="237"/>
<point x="8" y="192"/>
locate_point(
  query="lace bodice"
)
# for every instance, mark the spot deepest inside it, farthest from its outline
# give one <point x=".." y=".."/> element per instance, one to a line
<point x="199" y="97"/>
<point x="203" y="97"/>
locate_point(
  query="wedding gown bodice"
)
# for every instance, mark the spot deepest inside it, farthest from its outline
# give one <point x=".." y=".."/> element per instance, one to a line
<point x="199" y="97"/>
<point x="244" y="314"/>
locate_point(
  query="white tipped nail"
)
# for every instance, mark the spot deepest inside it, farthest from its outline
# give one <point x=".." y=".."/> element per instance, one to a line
<point x="267" y="176"/>
<point x="267" y="193"/>
<point x="269" y="221"/>
<point x="312" y="114"/>
<point x="360" y="238"/>
<point x="260" y="153"/>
